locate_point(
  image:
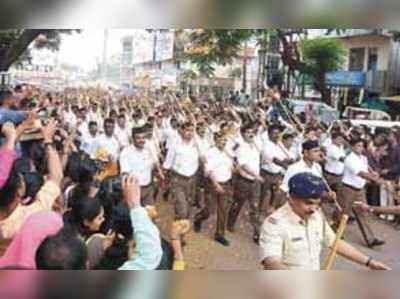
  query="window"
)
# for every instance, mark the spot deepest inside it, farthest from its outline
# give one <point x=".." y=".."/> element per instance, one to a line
<point x="274" y="45"/>
<point x="273" y="62"/>
<point x="356" y="59"/>
<point x="372" y="59"/>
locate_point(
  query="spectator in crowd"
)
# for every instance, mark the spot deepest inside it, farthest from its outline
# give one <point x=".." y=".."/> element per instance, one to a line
<point x="7" y="114"/>
<point x="21" y="252"/>
<point x="13" y="213"/>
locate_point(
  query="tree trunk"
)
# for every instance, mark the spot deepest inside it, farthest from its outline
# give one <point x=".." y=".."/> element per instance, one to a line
<point x="263" y="73"/>
<point x="11" y="53"/>
<point x="259" y="70"/>
<point x="244" y="80"/>
<point x="320" y="85"/>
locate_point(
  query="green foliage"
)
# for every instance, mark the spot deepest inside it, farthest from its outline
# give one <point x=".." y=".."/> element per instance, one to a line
<point x="189" y="75"/>
<point x="15" y="43"/>
<point x="236" y="73"/>
<point x="215" y="47"/>
<point x="323" y="54"/>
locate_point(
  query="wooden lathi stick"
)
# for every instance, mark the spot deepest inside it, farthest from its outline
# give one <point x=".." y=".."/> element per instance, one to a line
<point x="332" y="256"/>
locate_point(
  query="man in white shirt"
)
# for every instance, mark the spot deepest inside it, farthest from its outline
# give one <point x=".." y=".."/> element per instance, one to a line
<point x="334" y="165"/>
<point x="138" y="160"/>
<point x="123" y="131"/>
<point x="182" y="161"/>
<point x="355" y="176"/>
<point x="87" y="141"/>
<point x="94" y="114"/>
<point x="171" y="133"/>
<point x="247" y="184"/>
<point x="108" y="141"/>
<point x="203" y="144"/>
<point x="275" y="161"/>
<point x="70" y="116"/>
<point x="309" y="163"/>
<point x="218" y="190"/>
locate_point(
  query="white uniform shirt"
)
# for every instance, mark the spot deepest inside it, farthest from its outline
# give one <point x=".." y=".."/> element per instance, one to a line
<point x="83" y="129"/>
<point x="203" y="143"/>
<point x="70" y="119"/>
<point x="137" y="162"/>
<point x="123" y="135"/>
<point x="219" y="164"/>
<point x="171" y="137"/>
<point x="153" y="147"/>
<point x="333" y="155"/>
<point x="271" y="151"/>
<point x="96" y="117"/>
<point x="88" y="143"/>
<point x="249" y="155"/>
<point x="110" y="144"/>
<point x="297" y="168"/>
<point x="183" y="158"/>
<point x="353" y="165"/>
<point x="295" y="242"/>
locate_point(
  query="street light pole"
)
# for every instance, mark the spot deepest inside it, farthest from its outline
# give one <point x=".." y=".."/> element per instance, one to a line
<point x="105" y="46"/>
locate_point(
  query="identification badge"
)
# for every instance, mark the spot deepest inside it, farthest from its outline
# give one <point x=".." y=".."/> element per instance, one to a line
<point x="297" y="239"/>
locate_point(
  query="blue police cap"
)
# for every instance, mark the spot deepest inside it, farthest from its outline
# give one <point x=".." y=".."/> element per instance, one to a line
<point x="306" y="186"/>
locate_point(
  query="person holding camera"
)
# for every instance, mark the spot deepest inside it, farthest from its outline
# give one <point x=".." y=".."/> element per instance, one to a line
<point x="12" y="212"/>
<point x="143" y="249"/>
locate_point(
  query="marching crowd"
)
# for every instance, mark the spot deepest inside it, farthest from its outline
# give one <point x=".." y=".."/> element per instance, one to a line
<point x="82" y="171"/>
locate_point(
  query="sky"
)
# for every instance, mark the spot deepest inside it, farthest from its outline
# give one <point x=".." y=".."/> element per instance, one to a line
<point x="85" y="48"/>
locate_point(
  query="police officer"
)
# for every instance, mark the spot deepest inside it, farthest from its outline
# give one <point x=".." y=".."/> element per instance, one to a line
<point x="292" y="237"/>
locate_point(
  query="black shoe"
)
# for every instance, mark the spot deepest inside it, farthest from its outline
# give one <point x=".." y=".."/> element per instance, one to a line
<point x="376" y="242"/>
<point x="231" y="229"/>
<point x="221" y="240"/>
<point x="351" y="220"/>
<point x="197" y="226"/>
<point x="256" y="238"/>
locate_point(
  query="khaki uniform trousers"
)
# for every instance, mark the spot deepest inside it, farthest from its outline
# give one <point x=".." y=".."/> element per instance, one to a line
<point x="147" y="195"/>
<point x="245" y="190"/>
<point x="182" y="193"/>
<point x="215" y="201"/>
<point x="347" y="196"/>
<point x="271" y="195"/>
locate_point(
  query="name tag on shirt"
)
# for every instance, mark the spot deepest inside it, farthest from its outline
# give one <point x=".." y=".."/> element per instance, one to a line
<point x="297" y="239"/>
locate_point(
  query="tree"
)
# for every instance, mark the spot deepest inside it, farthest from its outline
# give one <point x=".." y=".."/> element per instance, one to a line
<point x="263" y="38"/>
<point x="14" y="43"/>
<point x="290" y="53"/>
<point x="209" y="48"/>
<point x="236" y="73"/>
<point x="322" y="55"/>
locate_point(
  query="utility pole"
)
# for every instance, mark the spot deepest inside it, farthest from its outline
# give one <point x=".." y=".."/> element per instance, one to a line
<point x="105" y="46"/>
<point x="244" y="77"/>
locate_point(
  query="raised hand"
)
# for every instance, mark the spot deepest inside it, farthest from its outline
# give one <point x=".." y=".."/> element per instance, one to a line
<point x="131" y="191"/>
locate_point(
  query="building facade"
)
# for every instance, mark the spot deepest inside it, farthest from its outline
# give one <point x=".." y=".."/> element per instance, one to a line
<point x="375" y="53"/>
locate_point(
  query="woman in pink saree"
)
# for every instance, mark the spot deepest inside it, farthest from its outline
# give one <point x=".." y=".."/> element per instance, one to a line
<point x="22" y="250"/>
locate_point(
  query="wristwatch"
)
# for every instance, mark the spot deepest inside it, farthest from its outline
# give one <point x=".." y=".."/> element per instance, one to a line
<point x="368" y="263"/>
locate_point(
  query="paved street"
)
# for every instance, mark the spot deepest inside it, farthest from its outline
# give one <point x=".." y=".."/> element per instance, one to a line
<point x="203" y="253"/>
